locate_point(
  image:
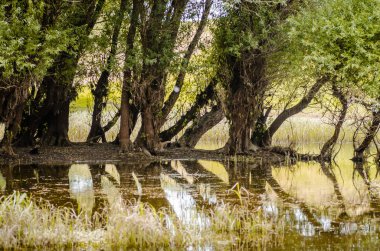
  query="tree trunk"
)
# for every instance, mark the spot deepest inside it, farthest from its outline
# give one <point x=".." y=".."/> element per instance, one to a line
<point x="63" y="74"/>
<point x="201" y="100"/>
<point x="12" y="128"/>
<point x="100" y="93"/>
<point x="170" y="102"/>
<point x="49" y="110"/>
<point x="101" y="90"/>
<point x="287" y="113"/>
<point x="58" y="127"/>
<point x="124" y="134"/>
<point x="370" y="135"/>
<point x="327" y="149"/>
<point x="200" y="126"/>
<point x="59" y="95"/>
<point x="158" y="42"/>
<point x="244" y="98"/>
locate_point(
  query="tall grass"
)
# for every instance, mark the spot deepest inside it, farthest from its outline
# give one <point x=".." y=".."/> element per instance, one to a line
<point x="26" y="223"/>
<point x="297" y="131"/>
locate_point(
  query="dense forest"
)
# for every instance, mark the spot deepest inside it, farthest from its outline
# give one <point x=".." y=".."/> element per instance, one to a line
<point x="183" y="66"/>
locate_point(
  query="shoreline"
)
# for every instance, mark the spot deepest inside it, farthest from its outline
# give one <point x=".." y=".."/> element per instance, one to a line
<point x="110" y="153"/>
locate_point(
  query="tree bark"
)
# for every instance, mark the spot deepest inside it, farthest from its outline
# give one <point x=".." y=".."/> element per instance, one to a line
<point x="101" y="90"/>
<point x="201" y="100"/>
<point x="287" y="113"/>
<point x="370" y="135"/>
<point x="200" y="126"/>
<point x="327" y="149"/>
<point x="12" y="103"/>
<point x="170" y="102"/>
<point x="244" y="98"/>
<point x="158" y="41"/>
<point x="124" y="134"/>
<point x="57" y="131"/>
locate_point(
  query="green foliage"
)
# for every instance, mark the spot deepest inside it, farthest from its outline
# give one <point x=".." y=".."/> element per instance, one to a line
<point x="340" y="39"/>
<point x="244" y="27"/>
<point x="27" y="48"/>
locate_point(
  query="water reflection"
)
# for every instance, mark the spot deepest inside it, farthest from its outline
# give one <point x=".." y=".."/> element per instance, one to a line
<point x="315" y="200"/>
<point x="182" y="203"/>
<point x="304" y="217"/>
<point x="372" y="187"/>
<point x="81" y="187"/>
<point x="112" y="171"/>
<point x="177" y="166"/>
<point x="216" y="168"/>
<point x="112" y="193"/>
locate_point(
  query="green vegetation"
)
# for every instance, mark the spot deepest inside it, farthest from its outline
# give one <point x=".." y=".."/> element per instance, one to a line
<point x="182" y="67"/>
<point x="248" y="77"/>
<point x="339" y="39"/>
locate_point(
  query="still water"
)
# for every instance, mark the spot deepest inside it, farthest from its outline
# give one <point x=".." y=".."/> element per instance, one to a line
<point x="323" y="206"/>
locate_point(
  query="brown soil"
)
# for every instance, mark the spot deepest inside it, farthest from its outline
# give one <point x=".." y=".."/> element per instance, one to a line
<point x="109" y="153"/>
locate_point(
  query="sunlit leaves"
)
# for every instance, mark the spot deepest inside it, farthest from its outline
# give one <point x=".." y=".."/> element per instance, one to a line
<point x="27" y="48"/>
<point x="340" y="38"/>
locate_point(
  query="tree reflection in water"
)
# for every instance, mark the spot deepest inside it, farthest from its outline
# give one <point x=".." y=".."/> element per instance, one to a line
<point x="81" y="187"/>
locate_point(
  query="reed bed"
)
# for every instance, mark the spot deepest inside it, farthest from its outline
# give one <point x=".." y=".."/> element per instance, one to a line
<point x="27" y="223"/>
<point x="298" y="130"/>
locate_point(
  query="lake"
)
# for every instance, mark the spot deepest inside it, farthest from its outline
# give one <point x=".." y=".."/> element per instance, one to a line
<point x="320" y="206"/>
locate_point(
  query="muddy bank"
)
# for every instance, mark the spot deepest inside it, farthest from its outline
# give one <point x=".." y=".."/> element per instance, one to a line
<point x="101" y="153"/>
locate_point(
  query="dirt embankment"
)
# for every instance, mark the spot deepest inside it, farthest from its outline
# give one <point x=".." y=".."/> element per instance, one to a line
<point x="109" y="153"/>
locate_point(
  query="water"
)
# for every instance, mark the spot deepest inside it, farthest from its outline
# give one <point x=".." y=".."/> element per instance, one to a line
<point x="323" y="207"/>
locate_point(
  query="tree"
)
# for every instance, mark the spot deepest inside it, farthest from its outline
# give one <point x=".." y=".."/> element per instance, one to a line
<point x="30" y="42"/>
<point x="49" y="109"/>
<point x="243" y="39"/>
<point x="101" y="89"/>
<point x="340" y="40"/>
<point x="124" y="135"/>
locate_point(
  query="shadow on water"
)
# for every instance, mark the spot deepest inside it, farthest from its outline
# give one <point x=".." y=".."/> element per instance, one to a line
<point x="322" y="205"/>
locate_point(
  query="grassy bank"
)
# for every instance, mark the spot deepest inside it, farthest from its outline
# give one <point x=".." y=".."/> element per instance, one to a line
<point x="28" y="223"/>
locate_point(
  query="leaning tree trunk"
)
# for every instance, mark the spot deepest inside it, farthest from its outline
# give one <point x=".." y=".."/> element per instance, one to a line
<point x="174" y="95"/>
<point x="370" y="135"/>
<point x="100" y="93"/>
<point x="327" y="149"/>
<point x="202" y="99"/>
<point x="101" y="90"/>
<point x="200" y="126"/>
<point x="287" y="113"/>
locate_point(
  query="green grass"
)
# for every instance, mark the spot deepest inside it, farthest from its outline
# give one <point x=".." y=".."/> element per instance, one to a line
<point x="25" y="223"/>
<point x="83" y="101"/>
